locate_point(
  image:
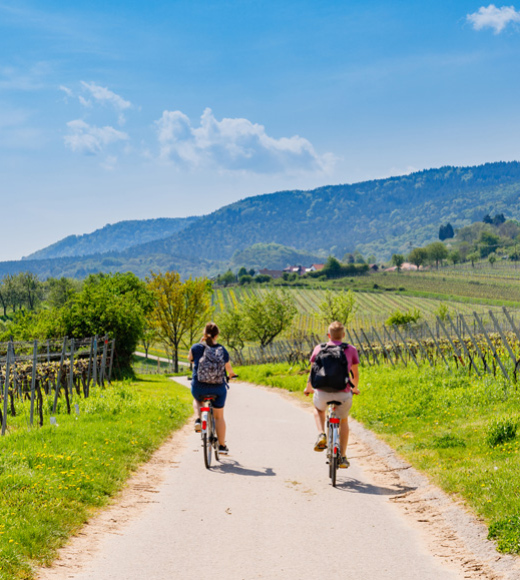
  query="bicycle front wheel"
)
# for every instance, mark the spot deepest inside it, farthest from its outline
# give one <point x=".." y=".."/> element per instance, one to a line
<point x="215" y="438"/>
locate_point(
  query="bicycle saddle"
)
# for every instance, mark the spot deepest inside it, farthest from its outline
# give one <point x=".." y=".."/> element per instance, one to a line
<point x="337" y="403"/>
<point x="209" y="397"/>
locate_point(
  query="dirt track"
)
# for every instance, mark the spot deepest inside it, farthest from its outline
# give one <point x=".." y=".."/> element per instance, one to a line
<point x="268" y="511"/>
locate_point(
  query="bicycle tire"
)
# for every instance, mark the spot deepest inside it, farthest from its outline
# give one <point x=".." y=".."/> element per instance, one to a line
<point x="215" y="438"/>
<point x="206" y="440"/>
<point x="334" y="469"/>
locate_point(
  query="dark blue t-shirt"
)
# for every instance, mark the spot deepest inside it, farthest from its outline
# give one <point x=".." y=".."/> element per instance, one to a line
<point x="197" y="350"/>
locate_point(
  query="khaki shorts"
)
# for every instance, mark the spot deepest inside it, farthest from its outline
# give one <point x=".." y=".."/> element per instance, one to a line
<point x="321" y="399"/>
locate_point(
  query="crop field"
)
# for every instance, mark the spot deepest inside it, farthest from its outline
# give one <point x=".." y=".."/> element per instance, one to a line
<point x="373" y="308"/>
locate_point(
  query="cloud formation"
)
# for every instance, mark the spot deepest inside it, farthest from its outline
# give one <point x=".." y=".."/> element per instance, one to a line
<point x="493" y="17"/>
<point x="91" y="140"/>
<point x="233" y="144"/>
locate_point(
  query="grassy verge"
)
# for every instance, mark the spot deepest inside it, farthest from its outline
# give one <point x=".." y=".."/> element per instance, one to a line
<point x="460" y="431"/>
<point x="53" y="478"/>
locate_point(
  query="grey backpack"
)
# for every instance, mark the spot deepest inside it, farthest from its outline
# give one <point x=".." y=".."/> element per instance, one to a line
<point x="212" y="366"/>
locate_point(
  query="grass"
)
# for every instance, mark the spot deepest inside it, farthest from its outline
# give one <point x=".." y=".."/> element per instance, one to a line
<point x="52" y="479"/>
<point x="460" y="431"/>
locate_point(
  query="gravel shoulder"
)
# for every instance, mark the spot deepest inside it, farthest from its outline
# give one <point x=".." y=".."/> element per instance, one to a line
<point x="268" y="511"/>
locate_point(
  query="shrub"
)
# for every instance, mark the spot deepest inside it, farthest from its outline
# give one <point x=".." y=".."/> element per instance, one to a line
<point x="402" y="318"/>
<point x="500" y="431"/>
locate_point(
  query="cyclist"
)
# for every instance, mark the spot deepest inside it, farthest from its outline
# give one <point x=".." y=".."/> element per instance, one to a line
<point x="215" y="365"/>
<point x="336" y="334"/>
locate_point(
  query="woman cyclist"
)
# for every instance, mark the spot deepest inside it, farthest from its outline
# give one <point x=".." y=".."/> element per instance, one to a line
<point x="200" y="389"/>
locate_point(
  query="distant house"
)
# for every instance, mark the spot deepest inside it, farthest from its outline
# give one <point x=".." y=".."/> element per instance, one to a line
<point x="373" y="268"/>
<point x="272" y="273"/>
<point x="300" y="270"/>
<point x="406" y="267"/>
<point x="316" y="267"/>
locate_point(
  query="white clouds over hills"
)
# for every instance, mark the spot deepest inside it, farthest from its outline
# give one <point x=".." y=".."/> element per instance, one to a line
<point x="85" y="138"/>
<point x="233" y="144"/>
<point x="493" y="17"/>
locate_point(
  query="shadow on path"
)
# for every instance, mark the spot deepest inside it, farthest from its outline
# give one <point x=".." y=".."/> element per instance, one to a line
<point x="231" y="466"/>
<point x="352" y="485"/>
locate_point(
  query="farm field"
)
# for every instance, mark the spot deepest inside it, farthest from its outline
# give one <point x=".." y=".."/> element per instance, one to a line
<point x="373" y="307"/>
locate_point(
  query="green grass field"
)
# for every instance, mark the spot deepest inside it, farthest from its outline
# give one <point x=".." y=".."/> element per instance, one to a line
<point x="52" y="479"/>
<point x="462" y="432"/>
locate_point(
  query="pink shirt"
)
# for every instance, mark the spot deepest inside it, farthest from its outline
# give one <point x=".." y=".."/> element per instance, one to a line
<point x="350" y="352"/>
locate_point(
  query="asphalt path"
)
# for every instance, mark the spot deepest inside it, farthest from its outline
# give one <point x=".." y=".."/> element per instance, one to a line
<point x="266" y="511"/>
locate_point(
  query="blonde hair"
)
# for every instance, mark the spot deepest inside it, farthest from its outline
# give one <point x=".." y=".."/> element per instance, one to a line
<point x="211" y="330"/>
<point x="336" y="330"/>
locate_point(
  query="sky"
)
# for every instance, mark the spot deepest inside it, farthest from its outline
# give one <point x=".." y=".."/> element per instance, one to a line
<point x="116" y="110"/>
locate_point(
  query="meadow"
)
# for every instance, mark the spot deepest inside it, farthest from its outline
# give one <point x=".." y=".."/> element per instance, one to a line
<point x="54" y="478"/>
<point x="461" y="431"/>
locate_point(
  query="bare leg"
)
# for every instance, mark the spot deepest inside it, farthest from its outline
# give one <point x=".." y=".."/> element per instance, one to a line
<point x="343" y="436"/>
<point x="196" y="407"/>
<point x="319" y="417"/>
<point x="220" y="425"/>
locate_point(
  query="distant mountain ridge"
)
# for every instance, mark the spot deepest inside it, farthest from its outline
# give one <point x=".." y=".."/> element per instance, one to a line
<point x="114" y="238"/>
<point x="378" y="217"/>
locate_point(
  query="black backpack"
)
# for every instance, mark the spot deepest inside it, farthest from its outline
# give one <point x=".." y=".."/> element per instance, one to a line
<point x="330" y="370"/>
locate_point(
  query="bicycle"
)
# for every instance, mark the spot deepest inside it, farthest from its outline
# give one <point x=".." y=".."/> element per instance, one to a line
<point x="333" y="449"/>
<point x="208" y="431"/>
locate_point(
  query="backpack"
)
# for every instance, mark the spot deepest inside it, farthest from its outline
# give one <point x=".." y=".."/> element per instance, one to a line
<point x="330" y="370"/>
<point x="211" y="368"/>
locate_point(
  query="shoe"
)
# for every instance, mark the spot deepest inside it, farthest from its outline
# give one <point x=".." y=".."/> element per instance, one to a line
<point x="321" y="442"/>
<point x="223" y="449"/>
<point x="343" y="463"/>
<point x="198" y="426"/>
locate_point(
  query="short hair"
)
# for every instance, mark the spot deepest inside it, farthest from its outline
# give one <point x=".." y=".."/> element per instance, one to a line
<point x="336" y="330"/>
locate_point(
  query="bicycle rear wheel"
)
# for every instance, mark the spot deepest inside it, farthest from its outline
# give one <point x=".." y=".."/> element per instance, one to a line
<point x="334" y="469"/>
<point x="207" y="441"/>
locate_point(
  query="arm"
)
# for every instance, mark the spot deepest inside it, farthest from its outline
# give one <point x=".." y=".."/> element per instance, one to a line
<point x="355" y="379"/>
<point x="229" y="370"/>
<point x="190" y="356"/>
<point x="308" y="388"/>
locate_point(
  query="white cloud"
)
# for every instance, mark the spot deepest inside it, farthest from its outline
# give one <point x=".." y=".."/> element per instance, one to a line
<point x="66" y="90"/>
<point x="104" y="95"/>
<point x="493" y="17"/>
<point x="85" y="138"/>
<point x="234" y="144"/>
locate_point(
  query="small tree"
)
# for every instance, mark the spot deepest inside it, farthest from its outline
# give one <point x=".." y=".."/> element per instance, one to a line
<point x="197" y="298"/>
<point x="340" y="306"/>
<point x="437" y="252"/>
<point x="265" y="318"/>
<point x="473" y="257"/>
<point x="403" y="318"/>
<point x="454" y="257"/>
<point x="492" y="258"/>
<point x="398" y="261"/>
<point x="418" y="257"/>
<point x="232" y="328"/>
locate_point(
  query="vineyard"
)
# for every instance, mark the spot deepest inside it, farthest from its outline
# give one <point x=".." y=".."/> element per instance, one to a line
<point x="45" y="374"/>
<point x="480" y="344"/>
<point x="373" y="308"/>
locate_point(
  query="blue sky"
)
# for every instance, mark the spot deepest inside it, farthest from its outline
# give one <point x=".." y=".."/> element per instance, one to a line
<point x="130" y="110"/>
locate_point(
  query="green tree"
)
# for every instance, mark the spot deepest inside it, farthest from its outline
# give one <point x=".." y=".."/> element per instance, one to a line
<point x="31" y="288"/>
<point x="340" y="306"/>
<point x="61" y="290"/>
<point x="242" y="272"/>
<point x="332" y="267"/>
<point x="398" y="261"/>
<point x="473" y="257"/>
<point x="267" y="316"/>
<point x="487" y="243"/>
<point x="454" y="257"/>
<point x="399" y="318"/>
<point x="113" y="304"/>
<point x="197" y="296"/>
<point x="418" y="257"/>
<point x="437" y="252"/>
<point x="232" y="328"/>
<point x="492" y="258"/>
<point x="227" y="278"/>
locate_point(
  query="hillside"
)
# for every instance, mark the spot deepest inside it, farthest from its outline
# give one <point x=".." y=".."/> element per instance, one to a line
<point x="381" y="217"/>
<point x="377" y="217"/>
<point x="114" y="238"/>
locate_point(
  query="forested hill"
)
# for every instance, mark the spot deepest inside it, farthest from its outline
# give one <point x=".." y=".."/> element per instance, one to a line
<point x="381" y="216"/>
<point x="378" y="217"/>
<point x="114" y="238"/>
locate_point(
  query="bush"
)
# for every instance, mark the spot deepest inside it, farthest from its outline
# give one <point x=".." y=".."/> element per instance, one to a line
<point x="501" y="431"/>
<point x="402" y="318"/>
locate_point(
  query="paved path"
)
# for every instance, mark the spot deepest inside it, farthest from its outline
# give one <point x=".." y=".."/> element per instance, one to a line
<point x="267" y="511"/>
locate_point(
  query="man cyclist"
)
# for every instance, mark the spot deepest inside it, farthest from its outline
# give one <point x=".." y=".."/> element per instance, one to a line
<point x="336" y="334"/>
